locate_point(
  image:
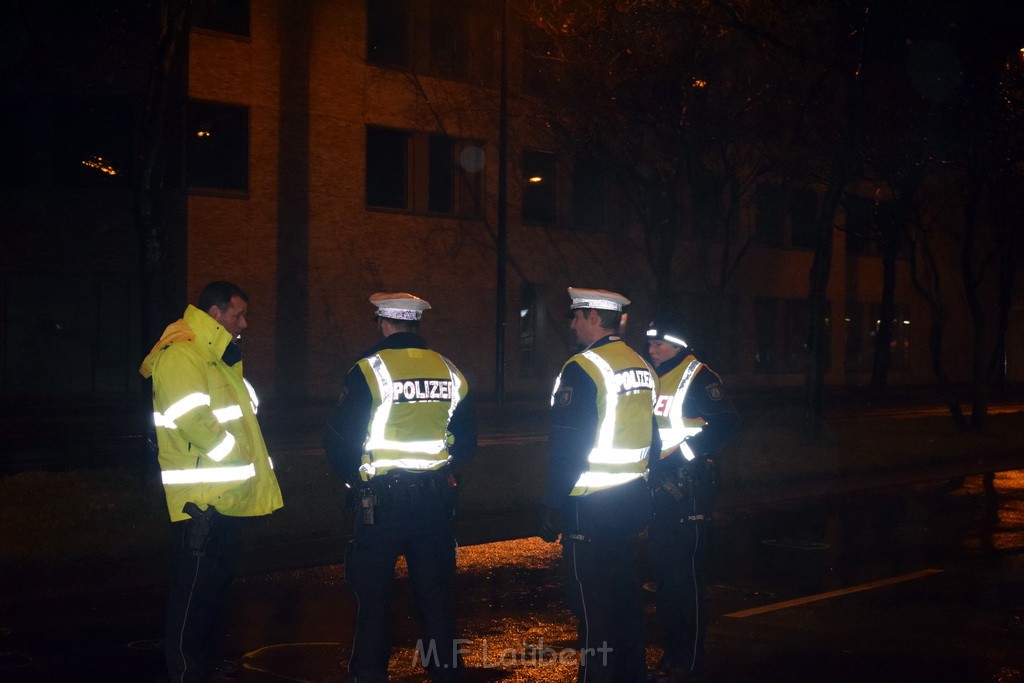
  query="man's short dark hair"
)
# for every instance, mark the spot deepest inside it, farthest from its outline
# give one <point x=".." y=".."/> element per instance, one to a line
<point x="219" y="294"/>
<point x="403" y="325"/>
<point x="610" y="320"/>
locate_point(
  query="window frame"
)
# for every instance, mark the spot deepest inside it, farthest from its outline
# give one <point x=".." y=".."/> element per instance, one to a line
<point x="539" y="204"/>
<point x="426" y="166"/>
<point x="210" y="16"/>
<point x="219" y="154"/>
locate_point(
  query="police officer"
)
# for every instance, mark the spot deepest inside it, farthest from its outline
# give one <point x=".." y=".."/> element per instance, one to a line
<point x="602" y="430"/>
<point x="215" y="468"/>
<point x="695" y="420"/>
<point x="403" y="427"/>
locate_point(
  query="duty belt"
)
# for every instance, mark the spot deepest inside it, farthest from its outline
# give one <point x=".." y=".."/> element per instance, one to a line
<point x="677" y="482"/>
<point x="400" y="487"/>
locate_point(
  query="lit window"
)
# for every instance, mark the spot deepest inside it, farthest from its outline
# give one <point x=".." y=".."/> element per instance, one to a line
<point x="540" y="187"/>
<point x="217" y="146"/>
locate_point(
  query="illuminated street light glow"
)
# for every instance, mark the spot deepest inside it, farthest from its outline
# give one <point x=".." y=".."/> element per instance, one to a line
<point x="99" y="164"/>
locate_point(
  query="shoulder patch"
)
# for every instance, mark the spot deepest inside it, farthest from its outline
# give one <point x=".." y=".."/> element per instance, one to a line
<point x="563" y="397"/>
<point x="714" y="391"/>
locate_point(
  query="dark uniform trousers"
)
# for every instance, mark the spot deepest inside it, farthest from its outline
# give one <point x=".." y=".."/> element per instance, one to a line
<point x="599" y="552"/>
<point x="678" y="540"/>
<point x="205" y="556"/>
<point x="411" y="517"/>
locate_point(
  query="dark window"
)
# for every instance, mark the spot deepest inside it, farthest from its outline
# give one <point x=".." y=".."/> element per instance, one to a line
<point x="470" y="176"/>
<point x="857" y="347"/>
<point x="768" y="204"/>
<point x="484" y="41"/>
<point x="448" y="38"/>
<point x="871" y="226"/>
<point x="441" y="175"/>
<point x="422" y="172"/>
<point x="93" y="143"/>
<point x="588" y="196"/>
<point x="710" y="326"/>
<point x="803" y="215"/>
<point x="218" y="146"/>
<point x="387" y="32"/>
<point x="795" y="331"/>
<point x="765" y="315"/>
<point x="899" y="344"/>
<point x="223" y="16"/>
<point x="528" y="356"/>
<point x="862" y="323"/>
<point x="786" y="216"/>
<point x="387" y="164"/>
<point x="721" y="348"/>
<point x="782" y="328"/>
<point x="454" y="39"/>
<point x="900" y="348"/>
<point x="538" y="61"/>
<point x="858" y="231"/>
<point x="539" y="187"/>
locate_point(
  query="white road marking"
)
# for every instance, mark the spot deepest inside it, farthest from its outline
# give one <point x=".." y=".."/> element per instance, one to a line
<point x="785" y="604"/>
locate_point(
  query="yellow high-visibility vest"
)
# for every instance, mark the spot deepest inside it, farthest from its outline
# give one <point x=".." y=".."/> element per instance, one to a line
<point x="673" y="426"/>
<point x="211" y="449"/>
<point x="414" y="394"/>
<point x="626" y="387"/>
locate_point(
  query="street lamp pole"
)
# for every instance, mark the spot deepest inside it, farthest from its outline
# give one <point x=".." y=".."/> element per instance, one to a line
<point x="500" y="309"/>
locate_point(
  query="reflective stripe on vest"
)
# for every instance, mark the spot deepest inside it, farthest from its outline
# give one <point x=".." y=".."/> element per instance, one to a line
<point x="604" y="452"/>
<point x="376" y="440"/>
<point x="604" y="458"/>
<point x="211" y="475"/>
<point x="679" y="428"/>
<point x="254" y="401"/>
<point x="179" y="408"/>
<point x="166" y="420"/>
<point x="191" y="402"/>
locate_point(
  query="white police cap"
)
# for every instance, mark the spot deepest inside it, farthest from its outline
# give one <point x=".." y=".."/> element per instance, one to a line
<point x="399" y="305"/>
<point x="600" y="299"/>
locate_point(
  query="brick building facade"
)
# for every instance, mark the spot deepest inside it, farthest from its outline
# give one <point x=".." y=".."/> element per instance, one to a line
<point x="325" y="162"/>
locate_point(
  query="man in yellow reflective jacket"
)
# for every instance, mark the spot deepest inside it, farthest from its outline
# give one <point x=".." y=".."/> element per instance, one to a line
<point x="215" y="468"/>
<point x="695" y="420"/>
<point x="602" y="432"/>
<point x="403" y="428"/>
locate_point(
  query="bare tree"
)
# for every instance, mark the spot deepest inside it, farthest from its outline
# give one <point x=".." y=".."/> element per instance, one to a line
<point x="164" y="100"/>
<point x="672" y="99"/>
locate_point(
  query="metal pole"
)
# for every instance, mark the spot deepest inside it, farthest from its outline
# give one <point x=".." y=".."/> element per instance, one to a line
<point x="499" y="349"/>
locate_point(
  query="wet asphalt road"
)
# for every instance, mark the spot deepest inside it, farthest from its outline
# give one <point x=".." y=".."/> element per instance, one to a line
<point x="915" y="582"/>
